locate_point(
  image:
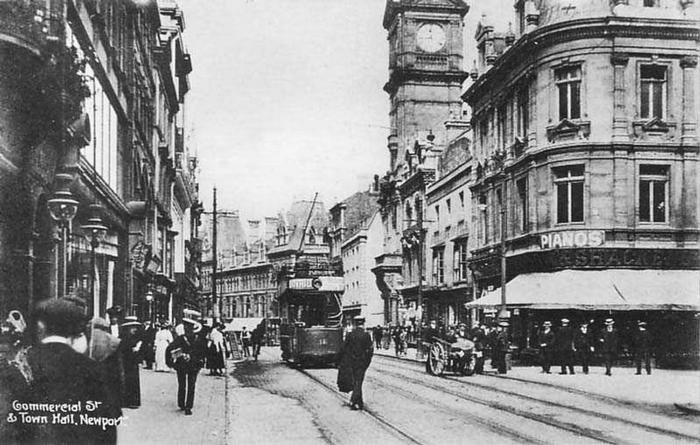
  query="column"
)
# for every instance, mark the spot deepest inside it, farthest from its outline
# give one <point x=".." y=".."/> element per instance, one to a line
<point x="620" y="131"/>
<point x="689" y="135"/>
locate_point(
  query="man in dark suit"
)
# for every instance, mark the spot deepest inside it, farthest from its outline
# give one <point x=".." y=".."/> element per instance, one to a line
<point x="129" y="348"/>
<point x="583" y="347"/>
<point x="357" y="353"/>
<point x="149" y="339"/>
<point x="642" y="348"/>
<point x="608" y="345"/>
<point x="546" y="340"/>
<point x="186" y="355"/>
<point x="565" y="347"/>
<point x="62" y="374"/>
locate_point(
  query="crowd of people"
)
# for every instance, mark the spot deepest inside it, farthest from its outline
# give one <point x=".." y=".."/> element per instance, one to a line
<point x="565" y="347"/>
<point x="65" y="377"/>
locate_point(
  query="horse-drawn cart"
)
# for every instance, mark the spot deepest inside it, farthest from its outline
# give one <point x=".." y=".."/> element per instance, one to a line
<point x="456" y="357"/>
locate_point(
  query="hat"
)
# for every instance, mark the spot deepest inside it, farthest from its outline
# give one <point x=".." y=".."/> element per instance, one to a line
<point x="359" y="319"/>
<point x="114" y="311"/>
<point x="131" y="320"/>
<point x="564" y="320"/>
<point x="584" y="324"/>
<point x="609" y="321"/>
<point x="462" y="325"/>
<point x="642" y="323"/>
<point x="196" y="326"/>
<point x="504" y="324"/>
<point x="61" y="317"/>
<point x="547" y="323"/>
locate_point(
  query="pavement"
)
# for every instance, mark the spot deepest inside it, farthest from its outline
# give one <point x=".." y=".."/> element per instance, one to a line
<point x="159" y="421"/>
<point x="663" y="388"/>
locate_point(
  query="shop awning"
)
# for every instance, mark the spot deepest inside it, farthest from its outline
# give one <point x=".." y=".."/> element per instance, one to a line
<point x="613" y="289"/>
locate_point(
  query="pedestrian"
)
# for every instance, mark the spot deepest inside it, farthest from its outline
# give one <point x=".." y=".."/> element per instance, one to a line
<point x="245" y="339"/>
<point x="186" y="355"/>
<point x="163" y="338"/>
<point x="608" y="345"/>
<point x="500" y="347"/>
<point x="546" y="340"/>
<point x="216" y="351"/>
<point x="115" y="314"/>
<point x="377" y="336"/>
<point x="63" y="374"/>
<point x="641" y="345"/>
<point x="565" y="347"/>
<point x="583" y="347"/>
<point x="478" y="336"/>
<point x="103" y="347"/>
<point x="15" y="376"/>
<point x="148" y="344"/>
<point x="256" y="338"/>
<point x="130" y="348"/>
<point x="356" y="356"/>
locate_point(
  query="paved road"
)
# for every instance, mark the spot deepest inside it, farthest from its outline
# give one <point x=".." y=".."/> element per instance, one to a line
<point x="405" y="405"/>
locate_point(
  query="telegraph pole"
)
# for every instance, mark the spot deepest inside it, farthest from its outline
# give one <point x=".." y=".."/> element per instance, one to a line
<point x="215" y="265"/>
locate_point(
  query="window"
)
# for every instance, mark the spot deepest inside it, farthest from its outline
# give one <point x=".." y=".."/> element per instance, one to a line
<point x="523" y="112"/>
<point x="653" y="91"/>
<point x="437" y="215"/>
<point x="498" y="229"/>
<point x="569" y="191"/>
<point x="502" y="125"/>
<point x="569" y="85"/>
<point x="460" y="260"/>
<point x="521" y="186"/>
<point x="461" y="200"/>
<point x="649" y="3"/>
<point x="439" y="265"/>
<point x="449" y="206"/>
<point x="653" y="191"/>
<point x="483" y="209"/>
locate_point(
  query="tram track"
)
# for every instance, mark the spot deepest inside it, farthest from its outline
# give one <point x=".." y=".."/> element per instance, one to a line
<point x="574" y="428"/>
<point x="381" y="420"/>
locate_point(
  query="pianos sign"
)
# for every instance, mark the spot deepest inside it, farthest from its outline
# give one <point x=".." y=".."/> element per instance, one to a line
<point x="572" y="238"/>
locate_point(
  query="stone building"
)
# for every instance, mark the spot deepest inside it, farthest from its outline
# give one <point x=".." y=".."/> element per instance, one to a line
<point x="93" y="142"/>
<point x="586" y="166"/>
<point x="356" y="238"/>
<point x="426" y="46"/>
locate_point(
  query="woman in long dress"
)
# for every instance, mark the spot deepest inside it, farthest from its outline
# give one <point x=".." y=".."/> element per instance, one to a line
<point x="163" y="339"/>
<point x="217" y="348"/>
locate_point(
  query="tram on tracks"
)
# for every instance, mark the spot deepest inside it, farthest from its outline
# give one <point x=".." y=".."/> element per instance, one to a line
<point x="311" y="310"/>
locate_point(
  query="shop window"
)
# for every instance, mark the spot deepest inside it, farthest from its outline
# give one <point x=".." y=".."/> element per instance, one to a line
<point x="521" y="186"/>
<point x="568" y="82"/>
<point x="653" y="193"/>
<point x="569" y="193"/>
<point x="652" y="91"/>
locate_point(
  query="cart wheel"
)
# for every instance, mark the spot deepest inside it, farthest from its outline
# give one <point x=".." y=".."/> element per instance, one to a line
<point x="437" y="359"/>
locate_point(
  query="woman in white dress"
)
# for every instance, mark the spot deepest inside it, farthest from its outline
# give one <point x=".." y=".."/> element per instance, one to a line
<point x="163" y="339"/>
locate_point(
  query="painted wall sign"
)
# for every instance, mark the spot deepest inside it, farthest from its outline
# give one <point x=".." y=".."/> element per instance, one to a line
<point x="572" y="238"/>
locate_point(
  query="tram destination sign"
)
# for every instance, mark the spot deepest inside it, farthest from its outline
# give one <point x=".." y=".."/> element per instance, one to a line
<point x="324" y="284"/>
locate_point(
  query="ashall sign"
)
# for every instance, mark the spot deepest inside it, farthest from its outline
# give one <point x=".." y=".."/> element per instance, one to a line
<point x="572" y="238"/>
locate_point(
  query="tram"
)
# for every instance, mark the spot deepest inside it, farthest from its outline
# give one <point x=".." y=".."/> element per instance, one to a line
<point x="311" y="311"/>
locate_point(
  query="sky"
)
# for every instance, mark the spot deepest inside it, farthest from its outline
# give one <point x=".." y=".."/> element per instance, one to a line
<point x="286" y="98"/>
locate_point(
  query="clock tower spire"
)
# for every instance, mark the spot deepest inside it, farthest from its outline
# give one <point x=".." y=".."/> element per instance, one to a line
<point x="426" y="47"/>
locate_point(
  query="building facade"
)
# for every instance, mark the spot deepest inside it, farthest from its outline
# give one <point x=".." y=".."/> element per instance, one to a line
<point x="94" y="92"/>
<point x="426" y="47"/>
<point x="585" y="164"/>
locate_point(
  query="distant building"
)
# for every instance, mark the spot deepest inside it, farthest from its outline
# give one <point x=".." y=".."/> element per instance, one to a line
<point x="356" y="238"/>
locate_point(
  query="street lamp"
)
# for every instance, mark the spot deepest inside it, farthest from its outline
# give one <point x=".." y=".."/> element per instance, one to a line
<point x="149" y="299"/>
<point x="63" y="208"/>
<point x="97" y="233"/>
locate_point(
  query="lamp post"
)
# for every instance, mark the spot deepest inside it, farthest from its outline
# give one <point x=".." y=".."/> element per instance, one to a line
<point x="97" y="233"/>
<point x="63" y="208"/>
<point x="149" y="299"/>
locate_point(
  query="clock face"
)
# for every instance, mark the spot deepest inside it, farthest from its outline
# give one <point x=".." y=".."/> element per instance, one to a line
<point x="431" y="37"/>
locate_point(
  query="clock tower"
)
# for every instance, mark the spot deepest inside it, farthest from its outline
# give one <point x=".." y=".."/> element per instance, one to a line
<point x="426" y="47"/>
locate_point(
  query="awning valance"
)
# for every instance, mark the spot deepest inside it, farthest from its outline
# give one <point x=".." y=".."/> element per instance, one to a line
<point x="613" y="289"/>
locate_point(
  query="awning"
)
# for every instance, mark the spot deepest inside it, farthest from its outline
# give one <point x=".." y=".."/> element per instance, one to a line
<point x="237" y="324"/>
<point x="613" y="289"/>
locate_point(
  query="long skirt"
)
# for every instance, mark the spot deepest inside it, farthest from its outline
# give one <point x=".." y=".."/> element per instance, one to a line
<point x="215" y="358"/>
<point x="132" y="384"/>
<point x="161" y="346"/>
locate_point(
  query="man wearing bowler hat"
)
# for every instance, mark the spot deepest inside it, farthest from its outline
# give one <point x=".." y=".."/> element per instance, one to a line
<point x="608" y="345"/>
<point x="565" y="347"/>
<point x="129" y="348"/>
<point x="642" y="348"/>
<point x="500" y="347"/>
<point x="583" y="346"/>
<point x="546" y="340"/>
<point x="357" y="353"/>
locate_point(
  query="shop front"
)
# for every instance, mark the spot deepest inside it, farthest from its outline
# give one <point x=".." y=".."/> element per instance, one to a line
<point x="668" y="300"/>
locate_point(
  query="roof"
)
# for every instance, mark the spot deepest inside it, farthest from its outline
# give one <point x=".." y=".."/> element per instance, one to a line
<point x="613" y="289"/>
